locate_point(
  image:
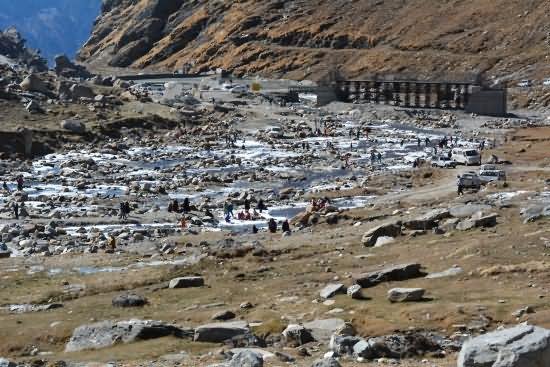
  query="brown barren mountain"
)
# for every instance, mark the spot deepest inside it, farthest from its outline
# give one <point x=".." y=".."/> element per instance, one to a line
<point x="506" y="39"/>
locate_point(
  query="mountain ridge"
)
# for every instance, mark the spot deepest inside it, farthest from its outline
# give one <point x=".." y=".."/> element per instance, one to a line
<point x="51" y="26"/>
<point x="305" y="39"/>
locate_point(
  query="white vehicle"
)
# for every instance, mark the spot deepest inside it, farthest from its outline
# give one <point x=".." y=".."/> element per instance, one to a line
<point x="239" y="89"/>
<point x="546" y="82"/>
<point x="275" y="132"/>
<point x="469" y="180"/>
<point x="466" y="156"/>
<point x="443" y="162"/>
<point x="492" y="175"/>
<point x="227" y="86"/>
<point x="525" y="83"/>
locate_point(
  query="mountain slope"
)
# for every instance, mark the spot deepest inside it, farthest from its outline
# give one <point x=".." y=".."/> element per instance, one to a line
<point x="52" y="26"/>
<point x="305" y="38"/>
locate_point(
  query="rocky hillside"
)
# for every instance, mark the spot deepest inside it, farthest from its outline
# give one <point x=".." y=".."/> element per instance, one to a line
<point x="52" y="26"/>
<point x="13" y="50"/>
<point x="304" y="38"/>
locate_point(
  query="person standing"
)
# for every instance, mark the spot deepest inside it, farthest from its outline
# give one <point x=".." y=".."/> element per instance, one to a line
<point x="16" y="210"/>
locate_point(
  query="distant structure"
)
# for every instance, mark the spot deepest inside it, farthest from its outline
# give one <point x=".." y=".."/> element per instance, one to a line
<point x="470" y="97"/>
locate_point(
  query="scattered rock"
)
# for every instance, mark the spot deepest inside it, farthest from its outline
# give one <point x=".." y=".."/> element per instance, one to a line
<point x="129" y="300"/>
<point x="406" y="294"/>
<point x="520" y="346"/>
<point x="224" y="315"/>
<point x="331" y="290"/>
<point x="297" y="335"/>
<point x="451" y="272"/>
<point x="386" y="230"/>
<point x="74" y="126"/>
<point x="390" y="274"/>
<point x="220" y="332"/>
<point x="327" y="362"/>
<point x="322" y="330"/>
<point x="107" y="333"/>
<point x="247" y="358"/>
<point x="355" y="292"/>
<point x="186" y="282"/>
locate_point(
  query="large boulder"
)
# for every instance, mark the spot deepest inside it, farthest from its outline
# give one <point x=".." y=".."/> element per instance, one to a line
<point x="33" y="83"/>
<point x="129" y="300"/>
<point x="330" y="290"/>
<point x="297" y="335"/>
<point x="323" y="329"/>
<point x="428" y="220"/>
<point x="65" y="67"/>
<point x="370" y="237"/>
<point x="406" y="294"/>
<point x="220" y="332"/>
<point x="398" y="346"/>
<point x="390" y="274"/>
<point x="482" y="221"/>
<point x="74" y="126"/>
<point x="107" y="333"/>
<point x="520" y="346"/>
<point x="247" y="358"/>
<point x="186" y="282"/>
<point x="81" y="91"/>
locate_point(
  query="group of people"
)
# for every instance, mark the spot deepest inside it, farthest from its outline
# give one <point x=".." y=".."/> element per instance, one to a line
<point x="124" y="210"/>
<point x="175" y="207"/>
<point x="244" y="214"/>
<point x="272" y="226"/>
<point x="319" y="204"/>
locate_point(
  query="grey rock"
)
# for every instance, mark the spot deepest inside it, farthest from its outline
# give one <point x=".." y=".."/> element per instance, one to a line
<point x="484" y="221"/>
<point x="220" y="332"/>
<point x="224" y="315"/>
<point x="406" y="294"/>
<point x="33" y="83"/>
<point x="129" y="300"/>
<point x="370" y="237"/>
<point x="297" y="335"/>
<point x="323" y="329"/>
<point x="327" y="362"/>
<point x="74" y="126"/>
<point x="330" y="290"/>
<point x="355" y="292"/>
<point x="428" y="220"/>
<point x="247" y="358"/>
<point x="107" y="333"/>
<point x="399" y="346"/>
<point x="451" y="272"/>
<point x="343" y="345"/>
<point x="81" y="91"/>
<point x="25" y="308"/>
<point x="283" y="357"/>
<point x="186" y="282"/>
<point x="390" y="274"/>
<point x="520" y="346"/>
<point x="465" y="211"/>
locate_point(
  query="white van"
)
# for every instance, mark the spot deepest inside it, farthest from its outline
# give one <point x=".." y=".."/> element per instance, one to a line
<point x="466" y="156"/>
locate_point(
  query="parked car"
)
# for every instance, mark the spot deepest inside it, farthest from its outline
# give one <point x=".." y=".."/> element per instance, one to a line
<point x="525" y="83"/>
<point x="443" y="162"/>
<point x="275" y="132"/>
<point x="492" y="175"/>
<point x="466" y="156"/>
<point x="469" y="180"/>
<point x="239" y="89"/>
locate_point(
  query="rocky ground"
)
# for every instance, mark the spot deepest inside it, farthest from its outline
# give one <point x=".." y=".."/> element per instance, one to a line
<point x="393" y="269"/>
